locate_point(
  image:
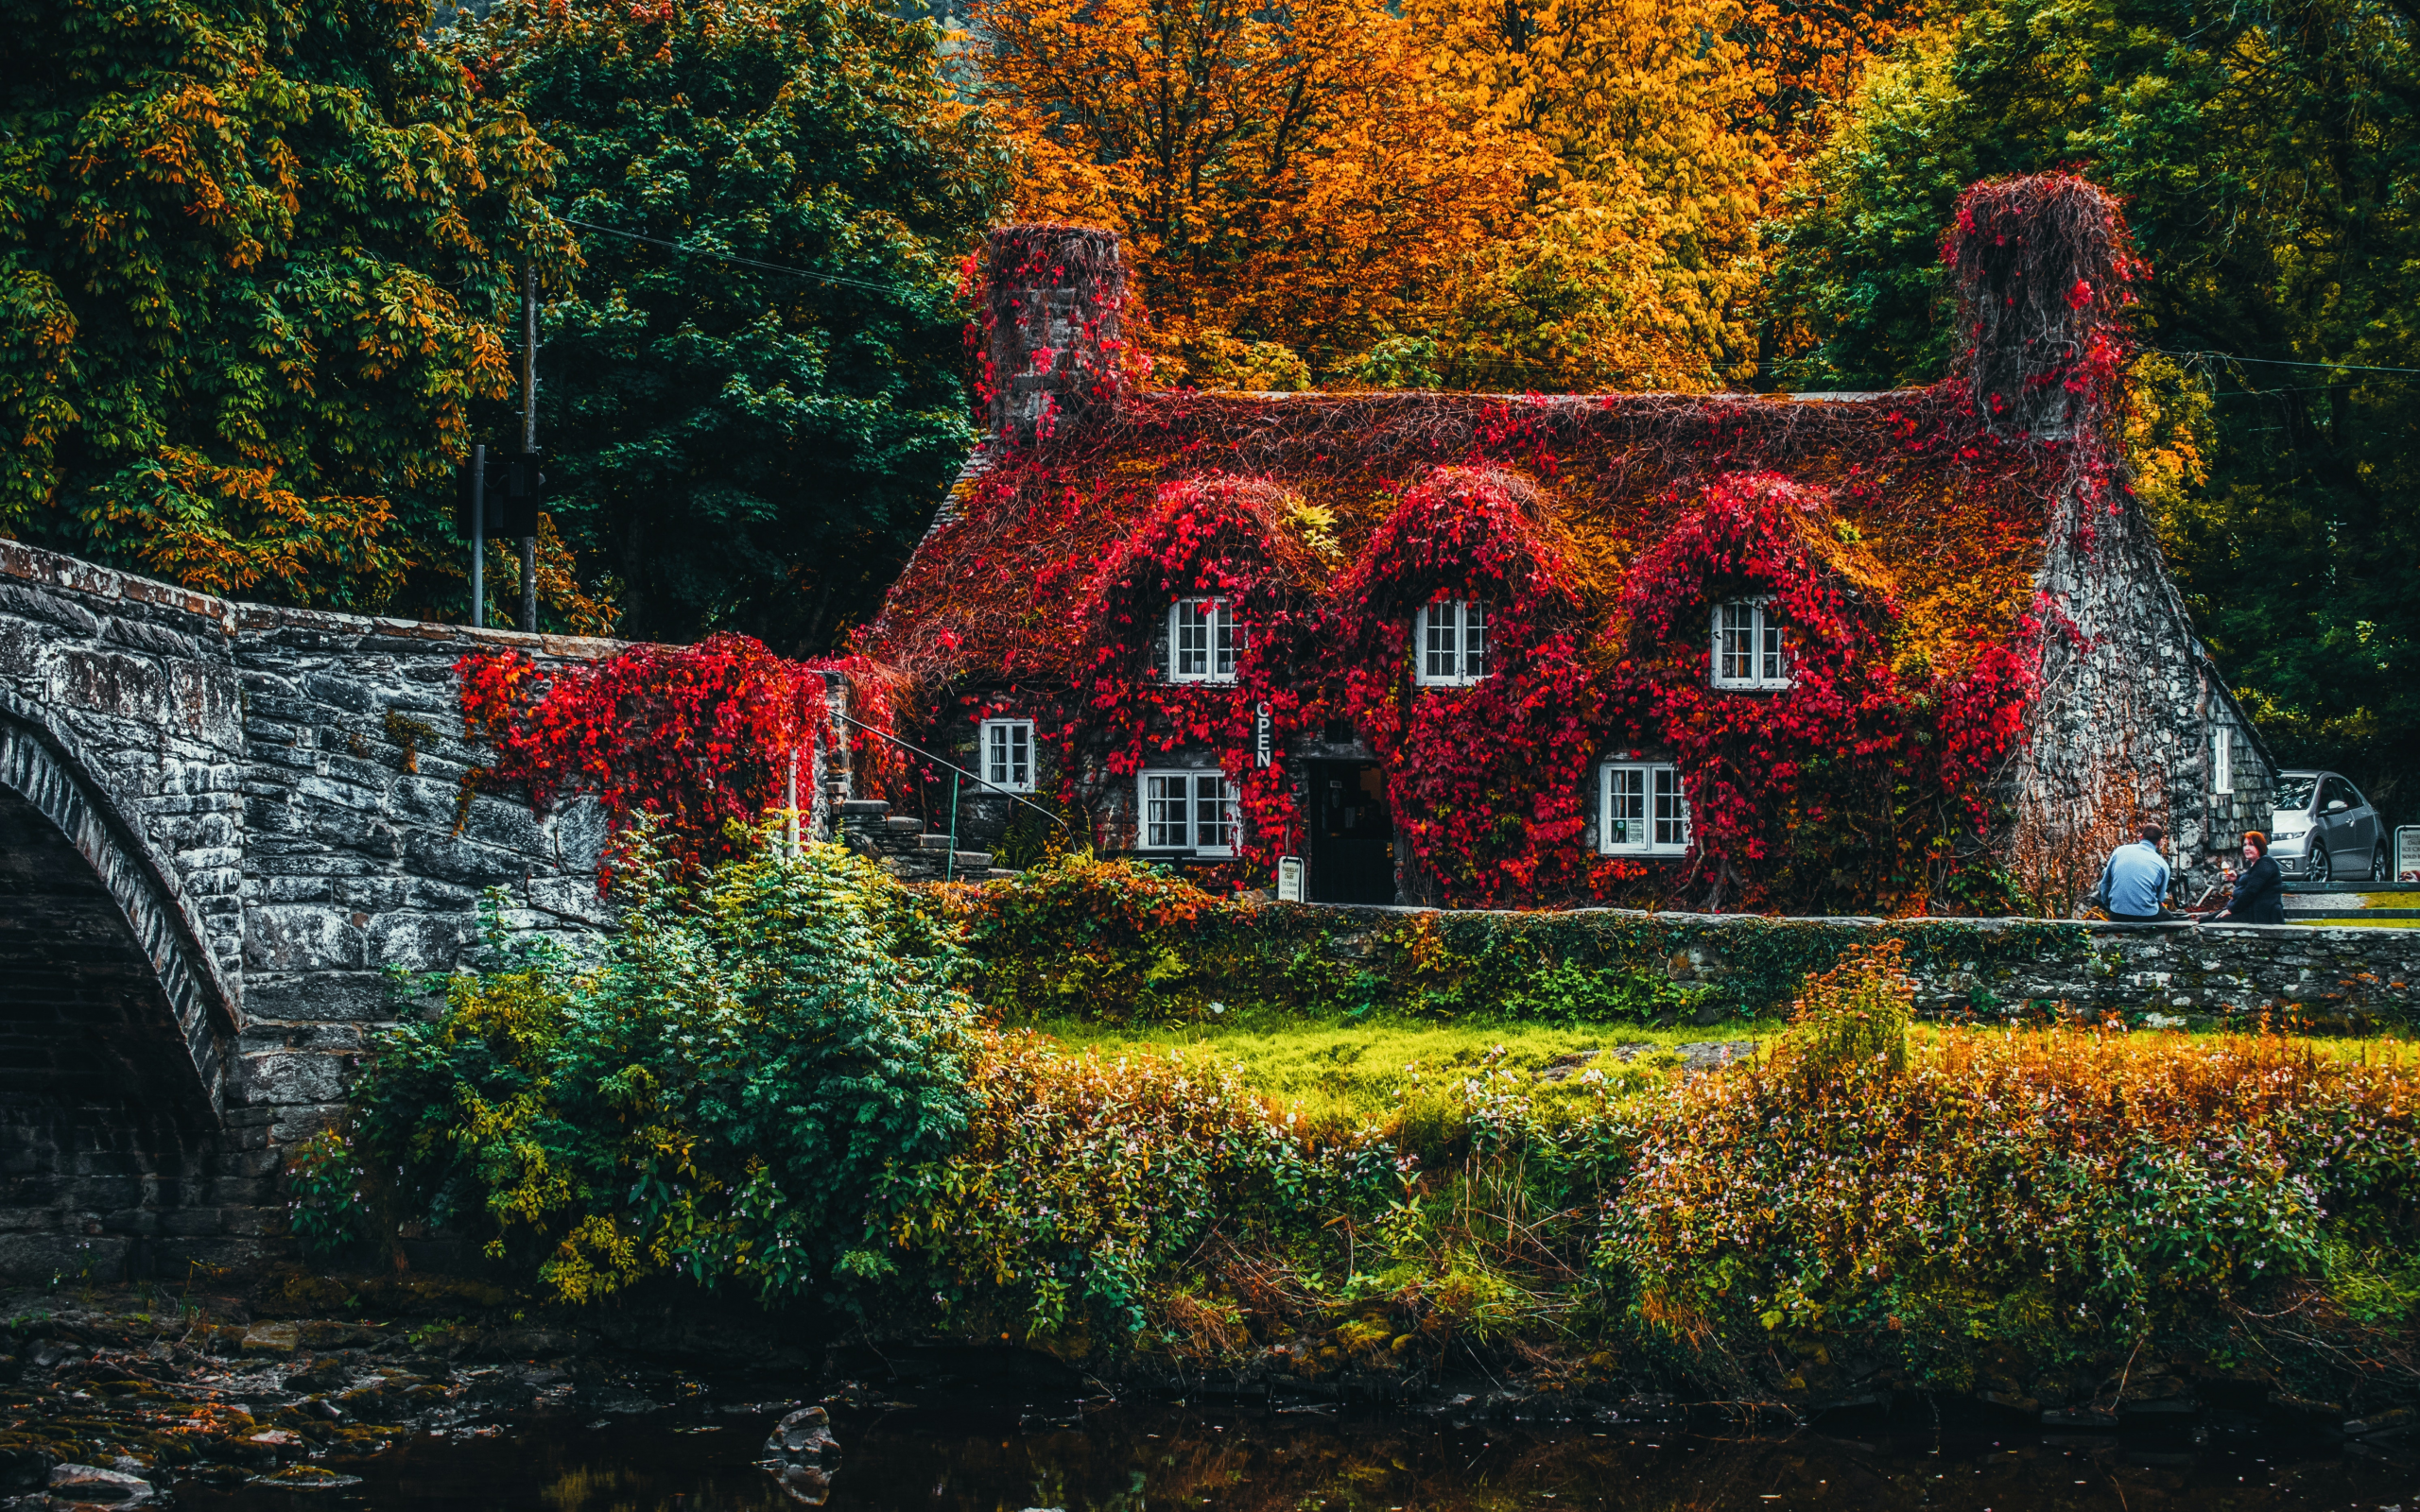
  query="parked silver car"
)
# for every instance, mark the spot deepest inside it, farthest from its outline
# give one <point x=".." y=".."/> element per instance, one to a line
<point x="2326" y="831"/>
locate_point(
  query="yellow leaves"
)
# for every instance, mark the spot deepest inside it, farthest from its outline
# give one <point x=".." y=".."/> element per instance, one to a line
<point x="2171" y="430"/>
<point x="1564" y="192"/>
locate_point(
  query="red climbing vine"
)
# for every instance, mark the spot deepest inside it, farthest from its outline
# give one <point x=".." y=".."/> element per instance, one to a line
<point x="1862" y="764"/>
<point x="699" y="737"/>
<point x="1486" y="781"/>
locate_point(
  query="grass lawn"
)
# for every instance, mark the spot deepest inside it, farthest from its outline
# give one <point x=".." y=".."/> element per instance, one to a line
<point x="1338" y="1071"/>
<point x="1338" y="1074"/>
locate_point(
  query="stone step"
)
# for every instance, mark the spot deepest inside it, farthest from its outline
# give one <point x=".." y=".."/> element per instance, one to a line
<point x="904" y="824"/>
<point x="1000" y="873"/>
<point x="933" y="840"/>
<point x="864" y="808"/>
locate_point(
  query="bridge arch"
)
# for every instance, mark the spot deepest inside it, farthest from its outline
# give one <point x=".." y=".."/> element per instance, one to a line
<point x="108" y="996"/>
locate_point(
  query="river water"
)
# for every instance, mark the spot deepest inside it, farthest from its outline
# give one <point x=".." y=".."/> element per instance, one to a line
<point x="984" y="1455"/>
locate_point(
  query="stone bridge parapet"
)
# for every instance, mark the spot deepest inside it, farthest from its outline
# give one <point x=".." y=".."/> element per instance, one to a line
<point x="223" y="826"/>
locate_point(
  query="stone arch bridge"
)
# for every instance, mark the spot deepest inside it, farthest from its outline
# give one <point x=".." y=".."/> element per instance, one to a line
<point x="220" y="824"/>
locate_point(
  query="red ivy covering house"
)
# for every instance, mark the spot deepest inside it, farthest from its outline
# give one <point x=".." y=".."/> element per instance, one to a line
<point x="1857" y="653"/>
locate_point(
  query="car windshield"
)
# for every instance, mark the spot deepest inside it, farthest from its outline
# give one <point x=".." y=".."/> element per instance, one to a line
<point x="2295" y="791"/>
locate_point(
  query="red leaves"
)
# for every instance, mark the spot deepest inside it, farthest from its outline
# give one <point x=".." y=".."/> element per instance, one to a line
<point x="699" y="736"/>
<point x="1923" y="744"/>
<point x="1484" y="781"/>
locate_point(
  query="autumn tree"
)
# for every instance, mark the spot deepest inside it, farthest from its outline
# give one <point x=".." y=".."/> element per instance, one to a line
<point x="1634" y="262"/>
<point x="753" y="396"/>
<point x="254" y="258"/>
<point x="1301" y="174"/>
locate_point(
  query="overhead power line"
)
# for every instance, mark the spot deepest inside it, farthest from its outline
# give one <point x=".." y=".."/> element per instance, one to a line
<point x="749" y="262"/>
<point x="2284" y="362"/>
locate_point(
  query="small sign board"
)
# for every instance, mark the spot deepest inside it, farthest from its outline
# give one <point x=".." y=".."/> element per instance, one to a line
<point x="1264" y="734"/>
<point x="1290" y="878"/>
<point x="2407" y="853"/>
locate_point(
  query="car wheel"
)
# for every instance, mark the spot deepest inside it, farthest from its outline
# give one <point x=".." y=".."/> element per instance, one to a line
<point x="2318" y="869"/>
<point x="2378" y="864"/>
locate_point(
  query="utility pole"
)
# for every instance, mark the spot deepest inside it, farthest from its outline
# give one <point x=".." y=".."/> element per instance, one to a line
<point x="479" y="537"/>
<point x="529" y="437"/>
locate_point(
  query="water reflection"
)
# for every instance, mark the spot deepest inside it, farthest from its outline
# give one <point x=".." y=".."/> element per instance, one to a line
<point x="966" y="1456"/>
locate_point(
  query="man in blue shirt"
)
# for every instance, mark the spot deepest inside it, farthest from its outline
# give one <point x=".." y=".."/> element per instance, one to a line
<point x="2134" y="884"/>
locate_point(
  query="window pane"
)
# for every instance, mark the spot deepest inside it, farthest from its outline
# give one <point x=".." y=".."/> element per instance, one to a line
<point x="1770" y="640"/>
<point x="2221" y="762"/>
<point x="1474" y="641"/>
<point x="1672" y="815"/>
<point x="1163" y="811"/>
<point x="1732" y="661"/>
<point x="1625" y="816"/>
<point x="1436" y="649"/>
<point x="1223" y="641"/>
<point x="995" y="753"/>
<point x="1020" y="756"/>
<point x="1192" y="640"/>
<point x="1212" y="824"/>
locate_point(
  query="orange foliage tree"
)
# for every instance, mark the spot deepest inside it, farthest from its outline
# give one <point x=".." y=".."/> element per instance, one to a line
<point x="1495" y="194"/>
<point x="1303" y="172"/>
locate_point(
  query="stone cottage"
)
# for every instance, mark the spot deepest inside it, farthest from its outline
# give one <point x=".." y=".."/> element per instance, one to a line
<point x="1901" y="652"/>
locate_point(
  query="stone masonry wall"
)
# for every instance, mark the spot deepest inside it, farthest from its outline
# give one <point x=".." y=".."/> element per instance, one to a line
<point x="2329" y="979"/>
<point x="294" y="779"/>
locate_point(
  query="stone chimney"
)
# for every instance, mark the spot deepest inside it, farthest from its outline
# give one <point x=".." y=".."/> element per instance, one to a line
<point x="1055" y="293"/>
<point x="2044" y="268"/>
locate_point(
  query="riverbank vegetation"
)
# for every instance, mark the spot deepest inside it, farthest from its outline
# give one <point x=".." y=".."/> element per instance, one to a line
<point x="780" y="1084"/>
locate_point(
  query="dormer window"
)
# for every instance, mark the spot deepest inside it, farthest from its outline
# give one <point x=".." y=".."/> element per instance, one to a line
<point x="1641" y="810"/>
<point x="1747" y="646"/>
<point x="1007" y="746"/>
<point x="1203" y="641"/>
<point x="1449" y="643"/>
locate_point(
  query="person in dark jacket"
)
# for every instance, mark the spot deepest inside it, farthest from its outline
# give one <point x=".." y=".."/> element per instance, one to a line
<point x="2261" y="893"/>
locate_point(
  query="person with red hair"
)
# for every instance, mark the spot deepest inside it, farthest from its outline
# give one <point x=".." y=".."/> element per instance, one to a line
<point x="2259" y="895"/>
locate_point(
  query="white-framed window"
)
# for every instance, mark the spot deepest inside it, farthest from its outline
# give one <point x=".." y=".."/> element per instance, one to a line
<point x="1449" y="643"/>
<point x="1007" y="746"/>
<point x="1203" y="642"/>
<point x="1641" y="810"/>
<point x="1188" y="811"/>
<point x="2222" y="760"/>
<point x="1747" y="646"/>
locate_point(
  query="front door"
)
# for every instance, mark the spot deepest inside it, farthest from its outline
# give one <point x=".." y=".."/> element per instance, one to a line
<point x="1353" y="834"/>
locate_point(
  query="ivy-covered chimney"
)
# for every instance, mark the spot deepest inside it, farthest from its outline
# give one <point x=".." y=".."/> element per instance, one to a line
<point x="1054" y="293"/>
<point x="2044" y="269"/>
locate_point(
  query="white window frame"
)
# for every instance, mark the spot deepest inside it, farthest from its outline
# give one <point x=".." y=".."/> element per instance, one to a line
<point x="1767" y="658"/>
<point x="1662" y="810"/>
<point x="1449" y="643"/>
<point x="2222" y="760"/>
<point x="1193" y="792"/>
<point x="1221" y="645"/>
<point x="1004" y="755"/>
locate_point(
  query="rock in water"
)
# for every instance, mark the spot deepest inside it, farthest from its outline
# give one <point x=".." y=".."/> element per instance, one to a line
<point x="804" y="1435"/>
<point x="800" y="1449"/>
<point x="90" y="1485"/>
<point x="804" y="1482"/>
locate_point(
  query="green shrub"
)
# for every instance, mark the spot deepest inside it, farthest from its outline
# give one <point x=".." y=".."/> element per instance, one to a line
<point x="743" y="1090"/>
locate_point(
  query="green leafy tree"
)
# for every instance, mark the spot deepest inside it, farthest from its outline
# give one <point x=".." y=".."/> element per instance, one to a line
<point x="2270" y="159"/>
<point x="740" y="440"/>
<point x="251" y="262"/>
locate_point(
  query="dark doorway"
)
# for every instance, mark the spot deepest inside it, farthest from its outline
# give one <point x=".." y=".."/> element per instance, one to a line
<point x="1353" y="834"/>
